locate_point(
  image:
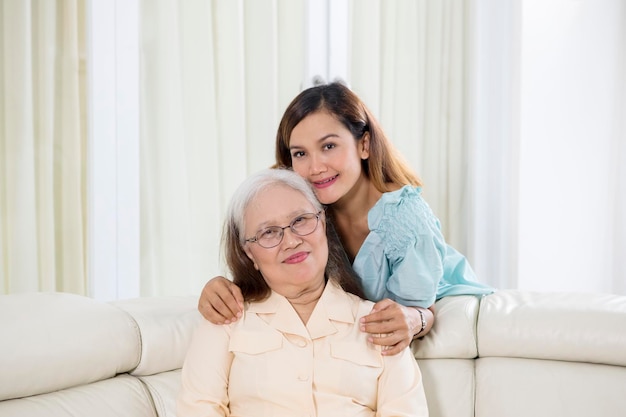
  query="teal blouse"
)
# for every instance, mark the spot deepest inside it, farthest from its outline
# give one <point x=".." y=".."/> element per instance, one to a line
<point x="405" y="256"/>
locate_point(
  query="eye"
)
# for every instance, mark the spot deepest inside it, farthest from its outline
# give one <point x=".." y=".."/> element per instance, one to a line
<point x="328" y="146"/>
<point x="297" y="154"/>
<point x="268" y="233"/>
<point x="298" y="220"/>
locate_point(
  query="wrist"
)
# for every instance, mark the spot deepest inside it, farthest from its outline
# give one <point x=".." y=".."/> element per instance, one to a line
<point x="421" y="324"/>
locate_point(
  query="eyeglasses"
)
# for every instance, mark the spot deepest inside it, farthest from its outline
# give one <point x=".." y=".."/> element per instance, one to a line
<point x="303" y="225"/>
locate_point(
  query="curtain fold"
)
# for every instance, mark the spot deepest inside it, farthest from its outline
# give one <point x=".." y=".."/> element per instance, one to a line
<point x="408" y="64"/>
<point x="215" y="78"/>
<point x="42" y="142"/>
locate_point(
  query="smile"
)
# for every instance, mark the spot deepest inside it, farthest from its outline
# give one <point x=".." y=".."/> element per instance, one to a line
<point x="296" y="258"/>
<point x="326" y="182"/>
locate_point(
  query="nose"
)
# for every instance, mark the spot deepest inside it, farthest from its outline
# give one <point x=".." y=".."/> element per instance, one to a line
<point x="290" y="239"/>
<point x="318" y="165"/>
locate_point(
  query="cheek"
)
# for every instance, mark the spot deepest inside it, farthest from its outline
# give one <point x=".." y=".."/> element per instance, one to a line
<point x="299" y="168"/>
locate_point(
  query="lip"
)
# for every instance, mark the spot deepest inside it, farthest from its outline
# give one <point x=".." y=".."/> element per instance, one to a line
<point x="297" y="258"/>
<point x="327" y="182"/>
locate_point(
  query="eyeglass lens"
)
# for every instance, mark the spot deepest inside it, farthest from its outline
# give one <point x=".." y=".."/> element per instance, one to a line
<point x="302" y="225"/>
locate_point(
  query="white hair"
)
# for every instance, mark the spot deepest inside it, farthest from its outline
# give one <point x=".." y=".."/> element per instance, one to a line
<point x="258" y="182"/>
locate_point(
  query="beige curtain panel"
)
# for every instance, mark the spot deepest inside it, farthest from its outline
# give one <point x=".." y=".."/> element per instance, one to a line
<point x="42" y="147"/>
<point x="215" y="78"/>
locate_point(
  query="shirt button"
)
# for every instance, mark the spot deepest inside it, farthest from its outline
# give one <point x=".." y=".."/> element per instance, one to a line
<point x="302" y="343"/>
<point x="303" y="377"/>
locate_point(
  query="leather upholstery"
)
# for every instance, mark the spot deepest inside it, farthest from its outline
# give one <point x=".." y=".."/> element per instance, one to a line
<point x="511" y="353"/>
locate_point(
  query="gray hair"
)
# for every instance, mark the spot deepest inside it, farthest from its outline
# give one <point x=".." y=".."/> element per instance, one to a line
<point x="257" y="183"/>
<point x="245" y="275"/>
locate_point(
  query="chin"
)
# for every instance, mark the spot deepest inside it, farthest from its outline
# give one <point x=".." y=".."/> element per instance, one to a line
<point x="325" y="198"/>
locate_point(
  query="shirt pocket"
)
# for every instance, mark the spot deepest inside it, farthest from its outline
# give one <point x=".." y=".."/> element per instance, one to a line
<point x="255" y="343"/>
<point x="357" y="353"/>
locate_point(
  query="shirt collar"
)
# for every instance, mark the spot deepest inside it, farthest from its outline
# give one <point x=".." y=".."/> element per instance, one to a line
<point x="335" y="305"/>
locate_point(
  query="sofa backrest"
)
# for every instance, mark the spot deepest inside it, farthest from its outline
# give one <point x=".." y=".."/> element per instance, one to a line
<point x="511" y="353"/>
<point x="74" y="356"/>
<point x="551" y="354"/>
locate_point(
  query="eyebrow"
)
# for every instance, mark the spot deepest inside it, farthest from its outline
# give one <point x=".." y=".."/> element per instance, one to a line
<point x="291" y="216"/>
<point x="322" y="139"/>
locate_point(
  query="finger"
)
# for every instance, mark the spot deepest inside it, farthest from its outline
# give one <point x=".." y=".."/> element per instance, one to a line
<point x="378" y="328"/>
<point x="236" y="292"/>
<point x="395" y="349"/>
<point x="228" y="302"/>
<point x="391" y="344"/>
<point x="377" y="317"/>
<point x="223" y="308"/>
<point x="211" y="314"/>
<point x="382" y="304"/>
<point x="383" y="310"/>
<point x="219" y="302"/>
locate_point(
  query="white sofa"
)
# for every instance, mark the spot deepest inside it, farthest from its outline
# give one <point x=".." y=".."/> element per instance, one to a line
<point x="511" y="354"/>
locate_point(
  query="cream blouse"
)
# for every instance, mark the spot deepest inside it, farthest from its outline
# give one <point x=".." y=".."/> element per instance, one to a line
<point x="269" y="363"/>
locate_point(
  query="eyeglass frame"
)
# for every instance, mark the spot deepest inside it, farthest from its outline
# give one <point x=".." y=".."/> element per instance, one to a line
<point x="255" y="238"/>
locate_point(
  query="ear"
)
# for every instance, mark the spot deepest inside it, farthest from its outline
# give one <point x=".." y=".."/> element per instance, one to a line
<point x="364" y="146"/>
<point x="249" y="254"/>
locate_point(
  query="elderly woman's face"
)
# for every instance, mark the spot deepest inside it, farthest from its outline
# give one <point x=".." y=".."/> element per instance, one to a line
<point x="297" y="262"/>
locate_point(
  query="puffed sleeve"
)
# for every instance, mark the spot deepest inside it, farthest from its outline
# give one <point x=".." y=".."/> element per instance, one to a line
<point x="415" y="250"/>
<point x="400" y="388"/>
<point x="205" y="373"/>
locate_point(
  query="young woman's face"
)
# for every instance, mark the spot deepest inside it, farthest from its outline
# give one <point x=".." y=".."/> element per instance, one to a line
<point x="324" y="152"/>
<point x="297" y="263"/>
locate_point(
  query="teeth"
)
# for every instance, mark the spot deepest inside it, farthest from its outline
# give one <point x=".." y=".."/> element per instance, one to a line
<point x="328" y="180"/>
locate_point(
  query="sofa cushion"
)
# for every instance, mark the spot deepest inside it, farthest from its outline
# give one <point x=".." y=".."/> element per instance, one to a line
<point x="529" y="387"/>
<point x="454" y="333"/>
<point x="122" y="396"/>
<point x="164" y="389"/>
<point x="449" y="386"/>
<point x="560" y="326"/>
<point x="65" y="340"/>
<point x="166" y="325"/>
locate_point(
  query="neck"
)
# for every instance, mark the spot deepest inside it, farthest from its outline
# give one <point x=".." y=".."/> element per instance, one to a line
<point x="356" y="204"/>
<point x="304" y="302"/>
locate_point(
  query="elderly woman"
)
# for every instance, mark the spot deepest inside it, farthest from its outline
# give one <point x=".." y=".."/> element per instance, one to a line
<point x="298" y="349"/>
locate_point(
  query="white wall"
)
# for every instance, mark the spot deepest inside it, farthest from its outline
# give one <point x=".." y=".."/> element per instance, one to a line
<point x="570" y="135"/>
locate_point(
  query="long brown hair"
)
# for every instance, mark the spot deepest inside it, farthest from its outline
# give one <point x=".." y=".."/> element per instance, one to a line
<point x="385" y="167"/>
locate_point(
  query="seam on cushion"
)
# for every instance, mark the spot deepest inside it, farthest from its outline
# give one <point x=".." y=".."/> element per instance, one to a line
<point x="474" y="324"/>
<point x="157" y="400"/>
<point x="133" y="323"/>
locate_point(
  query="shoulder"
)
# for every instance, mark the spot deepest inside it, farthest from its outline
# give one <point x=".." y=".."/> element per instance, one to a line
<point x="406" y="203"/>
<point x="403" y="217"/>
<point x="403" y="211"/>
<point x="338" y="298"/>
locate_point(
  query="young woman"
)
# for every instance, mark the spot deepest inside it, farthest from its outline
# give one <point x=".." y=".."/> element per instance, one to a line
<point x="391" y="236"/>
<point x="298" y="350"/>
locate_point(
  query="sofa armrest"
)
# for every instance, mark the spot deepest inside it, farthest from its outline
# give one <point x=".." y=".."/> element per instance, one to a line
<point x="166" y="325"/>
<point x="53" y="341"/>
<point x="559" y="326"/>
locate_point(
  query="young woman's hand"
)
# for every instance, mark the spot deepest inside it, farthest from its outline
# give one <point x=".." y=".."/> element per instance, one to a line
<point x="393" y="326"/>
<point x="221" y="301"/>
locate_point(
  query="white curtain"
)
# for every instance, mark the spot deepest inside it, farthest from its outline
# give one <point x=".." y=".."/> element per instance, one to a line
<point x="42" y="146"/>
<point x="444" y="78"/>
<point x="408" y="63"/>
<point x="493" y="129"/>
<point x="501" y="121"/>
<point x="572" y="146"/>
<point x="215" y="78"/>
